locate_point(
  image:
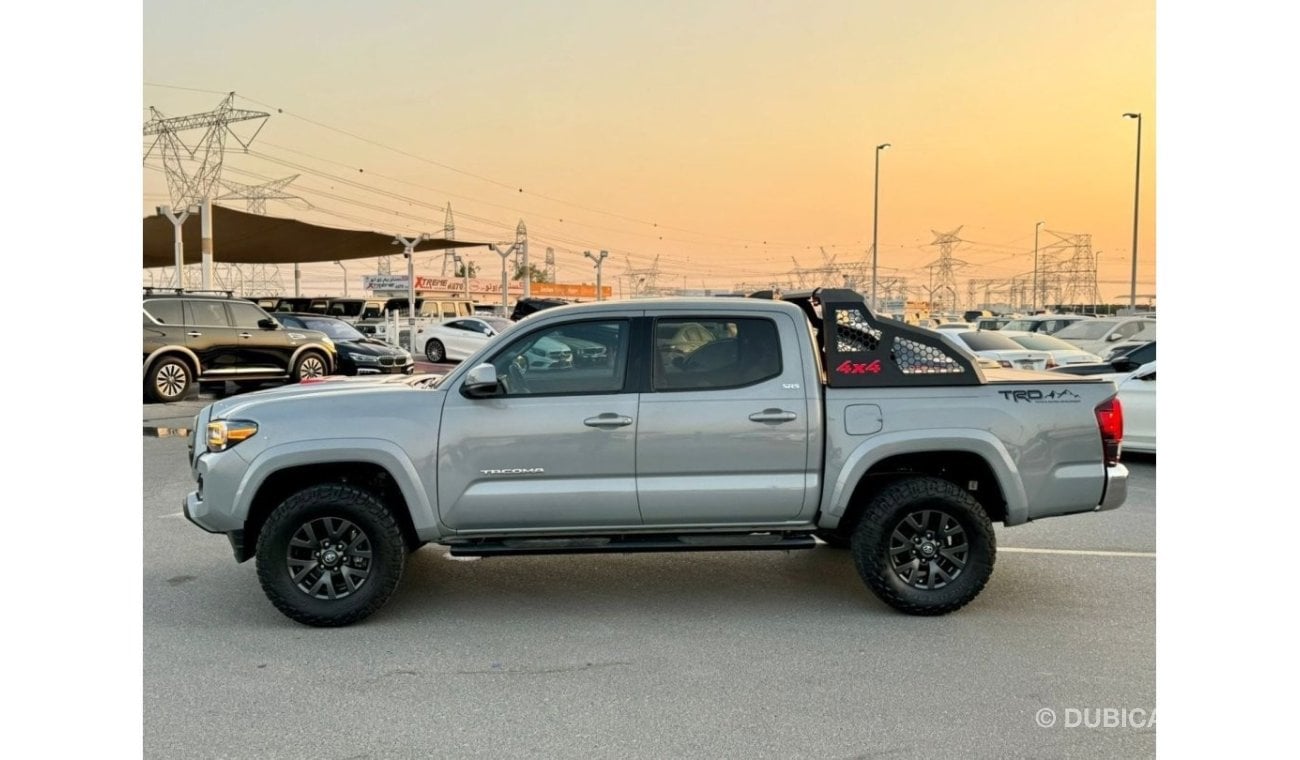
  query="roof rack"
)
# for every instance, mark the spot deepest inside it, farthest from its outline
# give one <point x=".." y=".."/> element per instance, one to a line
<point x="149" y="291"/>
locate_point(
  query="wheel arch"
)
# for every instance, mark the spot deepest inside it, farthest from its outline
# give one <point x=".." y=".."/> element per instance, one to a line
<point x="190" y="358"/>
<point x="377" y="466"/>
<point x="964" y="458"/>
<point x="331" y="363"/>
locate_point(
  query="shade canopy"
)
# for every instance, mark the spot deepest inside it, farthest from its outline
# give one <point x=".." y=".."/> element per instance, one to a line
<point x="239" y="237"/>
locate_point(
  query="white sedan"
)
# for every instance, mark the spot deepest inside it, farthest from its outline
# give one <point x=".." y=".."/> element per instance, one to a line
<point x="997" y="347"/>
<point x="1062" y="353"/>
<point x="1137" y="398"/>
<point x="458" y="339"/>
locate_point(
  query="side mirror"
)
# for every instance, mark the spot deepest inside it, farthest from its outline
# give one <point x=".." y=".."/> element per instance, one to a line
<point x="1113" y="337"/>
<point x="1124" y="364"/>
<point x="480" y="382"/>
<point x="266" y="323"/>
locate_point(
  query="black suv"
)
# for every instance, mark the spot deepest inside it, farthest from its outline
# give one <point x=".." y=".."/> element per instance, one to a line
<point x="192" y="337"/>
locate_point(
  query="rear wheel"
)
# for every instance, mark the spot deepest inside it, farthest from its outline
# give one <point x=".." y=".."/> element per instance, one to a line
<point x="434" y="351"/>
<point x="310" y="364"/>
<point x="330" y="555"/>
<point x="168" y="380"/>
<point x="924" y="546"/>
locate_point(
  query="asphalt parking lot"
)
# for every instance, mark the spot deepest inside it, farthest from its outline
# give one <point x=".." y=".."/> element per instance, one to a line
<point x="763" y="654"/>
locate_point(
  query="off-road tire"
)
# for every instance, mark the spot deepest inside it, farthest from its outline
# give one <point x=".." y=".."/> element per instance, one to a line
<point x="887" y="512"/>
<point x="338" y="501"/>
<point x="434" y="351"/>
<point x="169" y="379"/>
<point x="307" y="364"/>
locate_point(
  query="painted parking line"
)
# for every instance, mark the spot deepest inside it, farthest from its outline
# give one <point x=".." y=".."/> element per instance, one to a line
<point x="1079" y="552"/>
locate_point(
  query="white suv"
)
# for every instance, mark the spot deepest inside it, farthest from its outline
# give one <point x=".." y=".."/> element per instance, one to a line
<point x="1097" y="336"/>
<point x="1048" y="324"/>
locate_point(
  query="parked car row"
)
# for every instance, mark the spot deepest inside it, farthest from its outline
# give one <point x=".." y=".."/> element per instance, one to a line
<point x="193" y="338"/>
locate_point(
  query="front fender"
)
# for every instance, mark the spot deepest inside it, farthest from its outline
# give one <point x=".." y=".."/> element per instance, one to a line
<point x="377" y="451"/>
<point x="880" y="447"/>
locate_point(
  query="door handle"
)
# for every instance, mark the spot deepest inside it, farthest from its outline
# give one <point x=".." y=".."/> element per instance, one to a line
<point x="194" y="334"/>
<point x="608" y="419"/>
<point x="245" y="335"/>
<point x="773" y="415"/>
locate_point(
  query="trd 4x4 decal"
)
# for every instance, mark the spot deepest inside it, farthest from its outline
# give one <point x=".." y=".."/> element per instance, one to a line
<point x="1062" y="396"/>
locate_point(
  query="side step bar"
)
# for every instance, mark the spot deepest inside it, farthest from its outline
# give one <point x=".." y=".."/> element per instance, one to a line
<point x="697" y="542"/>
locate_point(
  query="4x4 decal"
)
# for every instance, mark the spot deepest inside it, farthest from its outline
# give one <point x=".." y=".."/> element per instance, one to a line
<point x="858" y="368"/>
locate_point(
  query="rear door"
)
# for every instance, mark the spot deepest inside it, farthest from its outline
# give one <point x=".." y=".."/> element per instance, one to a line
<point x="554" y="450"/>
<point x="210" y="335"/>
<point x="723" y="435"/>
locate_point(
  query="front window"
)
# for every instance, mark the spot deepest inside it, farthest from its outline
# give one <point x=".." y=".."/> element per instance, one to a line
<point x="246" y="314"/>
<point x="575" y="358"/>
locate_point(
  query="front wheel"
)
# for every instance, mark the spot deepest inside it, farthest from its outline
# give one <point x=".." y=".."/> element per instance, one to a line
<point x="330" y="555"/>
<point x="434" y="351"/>
<point x="309" y="365"/>
<point x="924" y="546"/>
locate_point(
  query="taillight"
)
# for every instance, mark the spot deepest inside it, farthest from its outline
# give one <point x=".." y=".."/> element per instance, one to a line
<point x="1110" y="420"/>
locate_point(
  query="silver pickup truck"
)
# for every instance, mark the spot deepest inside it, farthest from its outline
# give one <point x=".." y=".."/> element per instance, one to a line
<point x="661" y="425"/>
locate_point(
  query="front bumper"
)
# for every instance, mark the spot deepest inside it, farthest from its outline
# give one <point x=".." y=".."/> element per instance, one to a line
<point x="192" y="504"/>
<point x="1116" y="488"/>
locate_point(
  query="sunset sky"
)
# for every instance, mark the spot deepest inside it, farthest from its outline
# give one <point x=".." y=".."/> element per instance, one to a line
<point x="729" y="139"/>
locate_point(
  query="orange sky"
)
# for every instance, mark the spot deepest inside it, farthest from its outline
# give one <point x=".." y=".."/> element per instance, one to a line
<point x="726" y="138"/>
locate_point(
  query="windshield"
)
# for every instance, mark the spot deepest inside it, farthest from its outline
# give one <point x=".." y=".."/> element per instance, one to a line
<point x="1040" y="342"/>
<point x="336" y="329"/>
<point x="1091" y="329"/>
<point x="988" y="341"/>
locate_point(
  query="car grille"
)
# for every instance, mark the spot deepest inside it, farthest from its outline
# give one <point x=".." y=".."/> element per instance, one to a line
<point x="392" y="361"/>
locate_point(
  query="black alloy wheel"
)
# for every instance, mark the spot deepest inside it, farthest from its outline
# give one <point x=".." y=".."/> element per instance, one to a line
<point x="329" y="558"/>
<point x="330" y="555"/>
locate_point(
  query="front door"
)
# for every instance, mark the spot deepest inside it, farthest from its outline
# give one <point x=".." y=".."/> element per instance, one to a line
<point x="212" y="338"/>
<point x="555" y="449"/>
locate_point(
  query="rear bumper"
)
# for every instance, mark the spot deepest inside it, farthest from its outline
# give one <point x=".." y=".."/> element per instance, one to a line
<point x="1116" y="488"/>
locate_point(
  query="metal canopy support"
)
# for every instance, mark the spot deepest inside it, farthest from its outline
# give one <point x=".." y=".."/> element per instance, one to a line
<point x="409" y="244"/>
<point x="177" y="223"/>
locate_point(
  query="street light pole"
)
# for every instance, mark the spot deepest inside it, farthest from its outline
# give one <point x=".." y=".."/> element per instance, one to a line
<point x="1137" y="183"/>
<point x="1034" y="308"/>
<point x="875" y="225"/>
<point x="600" y="263"/>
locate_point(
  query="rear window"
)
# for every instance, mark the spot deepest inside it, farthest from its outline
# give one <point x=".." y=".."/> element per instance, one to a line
<point x="1040" y="342"/>
<point x="1089" y="329"/>
<point x="988" y="341"/>
<point x="166" y="312"/>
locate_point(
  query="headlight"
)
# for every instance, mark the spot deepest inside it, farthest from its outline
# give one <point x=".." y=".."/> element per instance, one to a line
<point x="223" y="434"/>
<point x="363" y="358"/>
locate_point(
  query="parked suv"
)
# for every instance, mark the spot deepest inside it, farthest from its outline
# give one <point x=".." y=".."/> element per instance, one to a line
<point x="192" y="337"/>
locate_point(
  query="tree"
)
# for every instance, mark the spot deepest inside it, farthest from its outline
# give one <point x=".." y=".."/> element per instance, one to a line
<point x="535" y="274"/>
